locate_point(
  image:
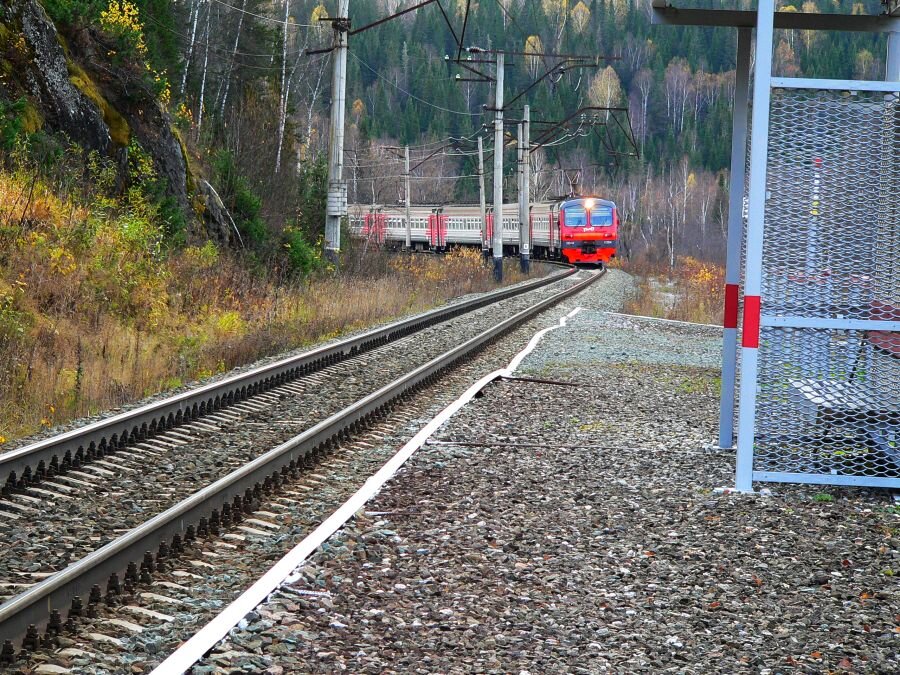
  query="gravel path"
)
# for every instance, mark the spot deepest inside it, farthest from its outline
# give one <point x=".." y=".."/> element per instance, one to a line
<point x="551" y="528"/>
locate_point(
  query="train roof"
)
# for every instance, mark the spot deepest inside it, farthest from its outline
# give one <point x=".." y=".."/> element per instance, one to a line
<point x="575" y="200"/>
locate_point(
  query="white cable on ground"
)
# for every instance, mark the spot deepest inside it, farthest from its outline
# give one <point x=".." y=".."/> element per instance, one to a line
<point x="207" y="637"/>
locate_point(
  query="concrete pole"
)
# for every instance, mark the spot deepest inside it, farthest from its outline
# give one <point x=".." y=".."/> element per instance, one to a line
<point x="336" y="207"/>
<point x="525" y="218"/>
<point x="735" y="231"/>
<point x="498" y="173"/>
<point x="520" y="194"/>
<point x="408" y="198"/>
<point x="759" y="157"/>
<point x="485" y="247"/>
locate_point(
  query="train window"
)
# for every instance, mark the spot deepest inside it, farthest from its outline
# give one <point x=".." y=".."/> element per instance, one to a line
<point x="576" y="217"/>
<point x="602" y="215"/>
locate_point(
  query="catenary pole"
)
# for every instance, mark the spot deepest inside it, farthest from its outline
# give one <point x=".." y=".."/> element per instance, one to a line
<point x="408" y="199"/>
<point x="498" y="173"/>
<point x="735" y="232"/>
<point x="525" y="215"/>
<point x="485" y="246"/>
<point x="336" y="206"/>
<point x="520" y="194"/>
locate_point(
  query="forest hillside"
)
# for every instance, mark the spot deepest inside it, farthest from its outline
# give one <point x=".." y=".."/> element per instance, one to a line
<point x="163" y="166"/>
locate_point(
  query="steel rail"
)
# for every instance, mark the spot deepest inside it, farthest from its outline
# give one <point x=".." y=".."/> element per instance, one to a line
<point x="28" y="464"/>
<point x="56" y="593"/>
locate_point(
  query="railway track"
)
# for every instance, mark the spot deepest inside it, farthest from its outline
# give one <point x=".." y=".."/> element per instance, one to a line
<point x="363" y="379"/>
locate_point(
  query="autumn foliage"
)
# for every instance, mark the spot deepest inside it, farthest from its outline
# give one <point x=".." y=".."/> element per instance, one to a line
<point x="96" y="311"/>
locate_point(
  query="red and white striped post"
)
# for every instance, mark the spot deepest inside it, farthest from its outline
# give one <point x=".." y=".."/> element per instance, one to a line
<point x="735" y="233"/>
<point x="759" y="156"/>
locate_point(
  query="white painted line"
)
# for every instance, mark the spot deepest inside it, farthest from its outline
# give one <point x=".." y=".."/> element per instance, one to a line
<point x="207" y="637"/>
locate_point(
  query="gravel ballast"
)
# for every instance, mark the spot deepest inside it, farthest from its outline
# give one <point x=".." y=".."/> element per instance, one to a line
<point x="215" y="570"/>
<point x="551" y="528"/>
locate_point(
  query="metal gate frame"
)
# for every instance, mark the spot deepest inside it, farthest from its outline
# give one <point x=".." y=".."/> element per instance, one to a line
<point x="765" y="19"/>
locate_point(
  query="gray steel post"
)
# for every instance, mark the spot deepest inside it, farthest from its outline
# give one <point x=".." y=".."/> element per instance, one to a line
<point x="485" y="246"/>
<point x="525" y="218"/>
<point x="735" y="231"/>
<point x="892" y="67"/>
<point x="498" y="173"/>
<point x="336" y="206"/>
<point x="759" y="156"/>
<point x="408" y="198"/>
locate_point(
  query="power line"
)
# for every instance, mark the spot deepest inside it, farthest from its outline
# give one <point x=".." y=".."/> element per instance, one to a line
<point x="266" y="18"/>
<point x="413" y="96"/>
<point x="226" y="53"/>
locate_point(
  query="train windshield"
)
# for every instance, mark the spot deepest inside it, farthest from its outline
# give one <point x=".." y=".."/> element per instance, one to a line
<point x="602" y="216"/>
<point x="576" y="217"/>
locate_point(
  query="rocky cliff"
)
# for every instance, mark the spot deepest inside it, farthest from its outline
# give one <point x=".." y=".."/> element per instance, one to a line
<point x="72" y="89"/>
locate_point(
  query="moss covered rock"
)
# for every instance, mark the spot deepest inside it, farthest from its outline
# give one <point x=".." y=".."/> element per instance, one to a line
<point x="46" y="78"/>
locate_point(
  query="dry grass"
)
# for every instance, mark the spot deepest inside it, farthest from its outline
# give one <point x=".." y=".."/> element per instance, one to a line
<point x="693" y="292"/>
<point x="94" y="315"/>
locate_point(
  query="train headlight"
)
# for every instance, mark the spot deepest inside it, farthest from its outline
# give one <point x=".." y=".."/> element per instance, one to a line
<point x="588" y="203"/>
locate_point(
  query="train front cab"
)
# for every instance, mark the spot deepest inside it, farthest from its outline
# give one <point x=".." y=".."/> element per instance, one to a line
<point x="588" y="229"/>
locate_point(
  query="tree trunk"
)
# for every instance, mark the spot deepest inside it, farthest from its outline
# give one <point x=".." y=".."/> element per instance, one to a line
<point x="195" y="13"/>
<point x="282" y="113"/>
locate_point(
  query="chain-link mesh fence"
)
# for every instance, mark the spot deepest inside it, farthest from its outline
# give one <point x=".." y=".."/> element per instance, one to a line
<point x="829" y="355"/>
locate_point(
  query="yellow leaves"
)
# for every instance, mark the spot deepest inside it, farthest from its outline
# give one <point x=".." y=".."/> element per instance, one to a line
<point x="2" y="439"/>
<point x="122" y="19"/>
<point x="581" y="17"/>
<point x="184" y="115"/>
<point x="229" y="323"/>
<point x="553" y="9"/>
<point x="61" y="261"/>
<point x="201" y="257"/>
<point x="318" y="15"/>
<point x="358" y="109"/>
<point x="605" y="89"/>
<point x="533" y="45"/>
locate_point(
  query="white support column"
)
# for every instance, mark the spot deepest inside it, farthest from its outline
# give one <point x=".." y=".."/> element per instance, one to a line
<point x="759" y="155"/>
<point x="336" y="205"/>
<point x="735" y="232"/>
<point x="525" y="218"/>
<point x="520" y="175"/>
<point x="498" y="173"/>
<point x="485" y="247"/>
<point x="408" y="198"/>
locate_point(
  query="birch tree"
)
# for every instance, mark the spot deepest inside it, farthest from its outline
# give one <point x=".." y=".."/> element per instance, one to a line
<point x="283" y="106"/>
<point x="202" y="106"/>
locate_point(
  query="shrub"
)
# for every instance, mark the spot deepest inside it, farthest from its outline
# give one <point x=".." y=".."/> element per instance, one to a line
<point x="303" y="257"/>
<point x="12" y="122"/>
<point x="70" y="12"/>
<point x="121" y="21"/>
<point x="239" y="199"/>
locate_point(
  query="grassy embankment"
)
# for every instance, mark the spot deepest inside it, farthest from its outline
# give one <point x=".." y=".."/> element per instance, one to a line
<point x="95" y="311"/>
<point x="694" y="291"/>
